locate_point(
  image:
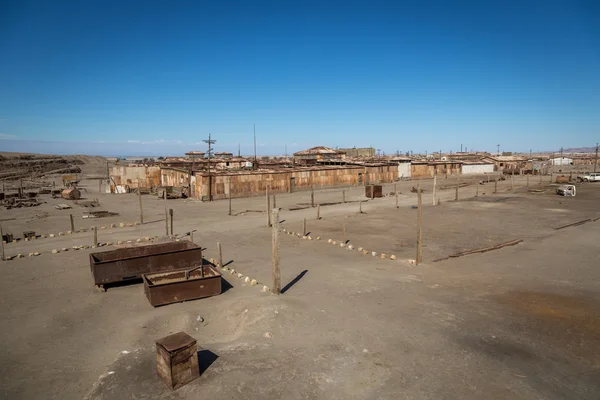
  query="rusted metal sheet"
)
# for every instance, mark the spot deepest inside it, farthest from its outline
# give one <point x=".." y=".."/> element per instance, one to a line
<point x="373" y="191"/>
<point x="174" y="286"/>
<point x="177" y="359"/>
<point x="132" y="262"/>
<point x="71" y="194"/>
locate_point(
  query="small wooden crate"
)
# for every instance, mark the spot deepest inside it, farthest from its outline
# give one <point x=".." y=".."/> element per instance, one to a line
<point x="177" y="359"/>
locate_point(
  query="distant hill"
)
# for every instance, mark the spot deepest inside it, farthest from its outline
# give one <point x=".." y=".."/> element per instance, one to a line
<point x="578" y="150"/>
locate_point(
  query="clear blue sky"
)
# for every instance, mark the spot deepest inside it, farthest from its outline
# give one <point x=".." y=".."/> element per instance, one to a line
<point x="131" y="78"/>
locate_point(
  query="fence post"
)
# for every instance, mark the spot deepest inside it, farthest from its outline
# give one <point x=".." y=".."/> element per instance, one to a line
<point x="140" y="202"/>
<point x="433" y="192"/>
<point x="275" y="256"/>
<point x="396" y="194"/>
<point x="496" y="186"/>
<point x="457" y="183"/>
<point x="304" y="227"/>
<point x="268" y="207"/>
<point x="312" y="196"/>
<point x="419" y="259"/>
<point x="220" y="254"/>
<point x="95" y="235"/>
<point x="171" y="214"/>
<point x="2" y="243"/>
<point x="72" y="223"/>
<point x="229" y="185"/>
<point x="318" y="211"/>
<point x="166" y="213"/>
<point x="344" y="196"/>
<point x="344" y="227"/>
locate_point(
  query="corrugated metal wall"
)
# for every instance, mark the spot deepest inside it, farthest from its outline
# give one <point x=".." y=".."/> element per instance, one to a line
<point x="134" y="177"/>
<point x="477" y="169"/>
<point x="252" y="184"/>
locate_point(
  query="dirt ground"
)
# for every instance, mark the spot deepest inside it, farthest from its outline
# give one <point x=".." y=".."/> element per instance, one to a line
<point x="521" y="322"/>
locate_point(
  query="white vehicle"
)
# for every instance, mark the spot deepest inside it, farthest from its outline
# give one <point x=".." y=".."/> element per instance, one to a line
<point x="591" y="177"/>
<point x="566" y="190"/>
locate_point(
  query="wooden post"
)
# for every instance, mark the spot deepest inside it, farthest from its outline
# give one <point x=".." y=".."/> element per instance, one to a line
<point x="72" y="223"/>
<point x="343" y="196"/>
<point x="457" y="183"/>
<point x="21" y="194"/>
<point x="344" y="227"/>
<point x="396" y="194"/>
<point x="95" y="235"/>
<point x="433" y="191"/>
<point x="360" y="207"/>
<point x="140" y="203"/>
<point x="166" y="213"/>
<point x="372" y="192"/>
<point x="496" y="186"/>
<point x="192" y="236"/>
<point x="275" y="257"/>
<point x="527" y="180"/>
<point x="318" y="211"/>
<point x="477" y="189"/>
<point x="268" y="207"/>
<point x="312" y="197"/>
<point x="304" y="227"/>
<point x="171" y="214"/>
<point x="512" y="182"/>
<point x="274" y="201"/>
<point x="419" y="259"/>
<point x="229" y="184"/>
<point x="220" y="254"/>
<point x="551" y="173"/>
<point x="2" y="243"/>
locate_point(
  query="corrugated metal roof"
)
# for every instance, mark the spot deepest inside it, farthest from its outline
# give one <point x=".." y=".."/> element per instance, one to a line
<point x="316" y="150"/>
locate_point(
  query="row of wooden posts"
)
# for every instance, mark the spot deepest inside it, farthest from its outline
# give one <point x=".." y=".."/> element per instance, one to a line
<point x="273" y="222"/>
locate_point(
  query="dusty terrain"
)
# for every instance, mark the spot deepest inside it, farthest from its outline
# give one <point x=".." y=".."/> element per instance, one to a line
<point x="521" y="322"/>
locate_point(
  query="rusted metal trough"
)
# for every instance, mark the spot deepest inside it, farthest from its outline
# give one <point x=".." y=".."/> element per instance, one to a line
<point x="132" y="262"/>
<point x="372" y="191"/>
<point x="182" y="285"/>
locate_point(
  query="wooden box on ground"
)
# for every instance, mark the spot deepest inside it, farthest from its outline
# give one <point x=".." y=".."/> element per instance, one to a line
<point x="132" y="262"/>
<point x="177" y="359"/>
<point x="372" y="191"/>
<point x="173" y="287"/>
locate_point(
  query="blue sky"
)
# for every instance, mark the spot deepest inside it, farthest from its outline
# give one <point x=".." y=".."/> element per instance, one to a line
<point x="150" y="78"/>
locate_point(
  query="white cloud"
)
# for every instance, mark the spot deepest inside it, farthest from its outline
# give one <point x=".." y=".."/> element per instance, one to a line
<point x="7" y="136"/>
<point x="133" y="141"/>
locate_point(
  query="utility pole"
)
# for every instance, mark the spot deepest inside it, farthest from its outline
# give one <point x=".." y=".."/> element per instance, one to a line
<point x="239" y="151"/>
<point x="461" y="148"/>
<point x="255" y="145"/>
<point x="209" y="142"/>
<point x="498" y="146"/>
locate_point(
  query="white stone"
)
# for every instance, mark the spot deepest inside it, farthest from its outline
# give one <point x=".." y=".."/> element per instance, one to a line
<point x="121" y="225"/>
<point x="199" y="319"/>
<point x="265" y="289"/>
<point x="268" y="335"/>
<point x="239" y="275"/>
<point x="350" y="247"/>
<point x="329" y="240"/>
<point x="253" y="282"/>
<point x="51" y="235"/>
<point x="247" y="279"/>
<point x="392" y="257"/>
<point x="54" y="251"/>
<point x="374" y="254"/>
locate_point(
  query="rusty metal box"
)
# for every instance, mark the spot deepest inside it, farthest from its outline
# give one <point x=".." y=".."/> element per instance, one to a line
<point x="177" y="359"/>
<point x="173" y="286"/>
<point x="132" y="262"/>
<point x="372" y="191"/>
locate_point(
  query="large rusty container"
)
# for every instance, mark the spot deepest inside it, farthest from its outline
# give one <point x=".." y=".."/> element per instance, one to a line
<point x="182" y="285"/>
<point x="177" y="359"/>
<point x="71" y="194"/>
<point x="372" y="191"/>
<point x="132" y="262"/>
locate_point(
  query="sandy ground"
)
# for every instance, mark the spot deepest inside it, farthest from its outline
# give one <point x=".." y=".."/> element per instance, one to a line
<point x="520" y="322"/>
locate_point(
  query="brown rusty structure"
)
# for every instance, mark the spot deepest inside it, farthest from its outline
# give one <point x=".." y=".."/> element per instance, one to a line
<point x="182" y="285"/>
<point x="177" y="359"/>
<point x="131" y="263"/>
